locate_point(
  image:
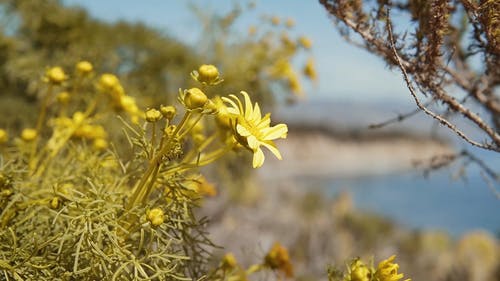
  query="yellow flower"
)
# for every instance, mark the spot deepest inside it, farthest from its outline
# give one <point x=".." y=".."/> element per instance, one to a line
<point x="155" y="216"/>
<point x="108" y="81"/>
<point x="110" y="84"/>
<point x="4" y="137"/>
<point x="278" y="259"/>
<point x="388" y="270"/>
<point x="84" y="67"/>
<point x="63" y="97"/>
<point x="290" y="23"/>
<point x="310" y="70"/>
<point x="252" y="130"/>
<point x="229" y="261"/>
<point x="252" y="30"/>
<point x="275" y="20"/>
<point x="55" y="202"/>
<point x="55" y="75"/>
<point x="28" y="134"/>
<point x="100" y="144"/>
<point x="358" y="271"/>
<point x="305" y="42"/>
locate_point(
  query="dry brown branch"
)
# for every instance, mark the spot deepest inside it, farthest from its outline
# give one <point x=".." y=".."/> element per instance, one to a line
<point x="433" y="55"/>
<point x="443" y="97"/>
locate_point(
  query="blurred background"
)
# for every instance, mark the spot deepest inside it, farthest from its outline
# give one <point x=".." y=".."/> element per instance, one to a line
<point x="343" y="189"/>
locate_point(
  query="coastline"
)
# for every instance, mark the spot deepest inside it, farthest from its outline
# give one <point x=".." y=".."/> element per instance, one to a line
<point x="310" y="152"/>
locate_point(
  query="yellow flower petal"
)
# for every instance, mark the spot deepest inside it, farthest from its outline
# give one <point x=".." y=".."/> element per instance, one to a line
<point x="253" y="143"/>
<point x="272" y="147"/>
<point x="244" y="132"/>
<point x="278" y="131"/>
<point x="258" y="158"/>
<point x="248" y="106"/>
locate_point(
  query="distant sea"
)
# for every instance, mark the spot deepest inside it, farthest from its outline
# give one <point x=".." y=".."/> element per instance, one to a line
<point x="438" y="202"/>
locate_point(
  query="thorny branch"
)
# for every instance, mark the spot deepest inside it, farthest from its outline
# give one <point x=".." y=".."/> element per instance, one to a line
<point x="443" y="96"/>
<point x="433" y="57"/>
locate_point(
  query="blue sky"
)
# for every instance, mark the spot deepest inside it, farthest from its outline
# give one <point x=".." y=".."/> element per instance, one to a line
<point x="345" y="72"/>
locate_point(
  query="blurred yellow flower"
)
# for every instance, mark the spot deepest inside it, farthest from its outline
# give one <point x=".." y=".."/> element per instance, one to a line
<point x="305" y="42"/>
<point x="84" y="68"/>
<point x="388" y="270"/>
<point x="278" y="259"/>
<point x="252" y="30"/>
<point x="4" y="137"/>
<point x="28" y="134"/>
<point x="55" y="75"/>
<point x="55" y="202"/>
<point x="310" y="70"/>
<point x="100" y="144"/>
<point x="229" y="261"/>
<point x="155" y="216"/>
<point x="275" y="20"/>
<point x="63" y="97"/>
<point x="358" y="271"/>
<point x="252" y="130"/>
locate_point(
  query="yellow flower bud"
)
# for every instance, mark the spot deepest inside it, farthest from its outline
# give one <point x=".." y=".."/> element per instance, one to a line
<point x="278" y="259"/>
<point x="310" y="70"/>
<point x="153" y="115"/>
<point x="290" y="22"/>
<point x="78" y="117"/>
<point x="108" y="81"/>
<point x="28" y="134"/>
<point x="169" y="131"/>
<point x="229" y="261"/>
<point x="155" y="216"/>
<point x="100" y="144"/>
<point x="275" y="20"/>
<point x="4" y="137"/>
<point x="168" y="111"/>
<point x="84" y="67"/>
<point x="359" y="271"/>
<point x="63" y="97"/>
<point x="208" y="73"/>
<point x="55" y="75"/>
<point x="305" y="42"/>
<point x="194" y="98"/>
<point x="252" y="30"/>
<point x="55" y="203"/>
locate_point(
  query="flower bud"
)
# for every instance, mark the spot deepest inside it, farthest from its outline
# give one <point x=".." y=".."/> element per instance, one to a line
<point x="55" y="75"/>
<point x="100" y="144"/>
<point x="153" y="115"/>
<point x="108" y="81"/>
<point x="229" y="261"/>
<point x="208" y="73"/>
<point x="155" y="216"/>
<point x="63" y="97"/>
<point x="84" y="67"/>
<point x="305" y="42"/>
<point x="55" y="203"/>
<point x="4" y="137"/>
<point x="28" y="135"/>
<point x="168" y="111"/>
<point x="194" y="98"/>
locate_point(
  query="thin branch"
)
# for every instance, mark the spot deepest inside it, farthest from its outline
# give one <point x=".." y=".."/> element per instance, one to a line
<point x="399" y="117"/>
<point x="447" y="98"/>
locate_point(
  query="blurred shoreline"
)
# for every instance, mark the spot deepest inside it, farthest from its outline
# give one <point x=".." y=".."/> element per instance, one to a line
<point x="332" y="139"/>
